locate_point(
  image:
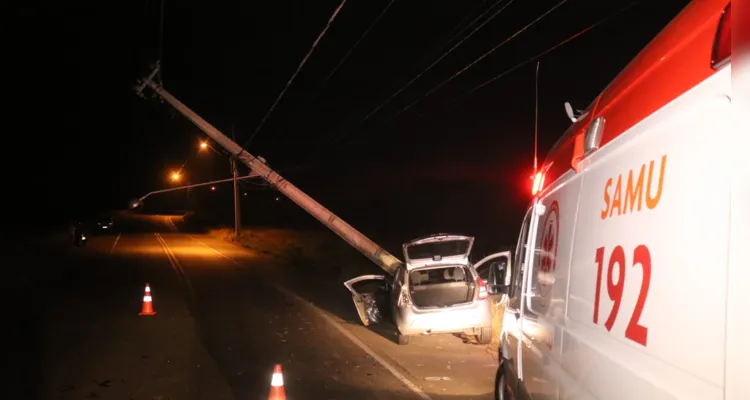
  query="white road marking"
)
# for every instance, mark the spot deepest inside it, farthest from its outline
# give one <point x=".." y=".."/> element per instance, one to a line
<point x="414" y="388"/>
<point x="117" y="239"/>
<point x="215" y="251"/>
<point x="176" y="266"/>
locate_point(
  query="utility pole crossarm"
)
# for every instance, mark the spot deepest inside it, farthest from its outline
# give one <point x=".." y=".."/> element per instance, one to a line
<point x="370" y="249"/>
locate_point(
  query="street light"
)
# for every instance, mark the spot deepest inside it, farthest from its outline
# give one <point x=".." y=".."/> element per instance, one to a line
<point x="204" y="145"/>
<point x="139" y="201"/>
<point x="176" y="176"/>
<point x="213" y="187"/>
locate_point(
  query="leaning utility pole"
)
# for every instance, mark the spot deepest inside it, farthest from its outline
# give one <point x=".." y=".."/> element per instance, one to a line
<point x="356" y="239"/>
<point x="236" y="183"/>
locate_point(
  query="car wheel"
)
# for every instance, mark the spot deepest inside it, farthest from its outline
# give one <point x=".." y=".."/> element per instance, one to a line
<point x="402" y="339"/>
<point x="484" y="336"/>
<point x="501" y="387"/>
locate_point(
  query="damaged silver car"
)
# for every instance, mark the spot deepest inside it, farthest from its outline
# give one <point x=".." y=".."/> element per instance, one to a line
<point x="438" y="290"/>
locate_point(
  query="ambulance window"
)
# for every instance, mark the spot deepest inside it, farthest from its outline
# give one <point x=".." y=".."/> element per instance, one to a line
<point x="542" y="277"/>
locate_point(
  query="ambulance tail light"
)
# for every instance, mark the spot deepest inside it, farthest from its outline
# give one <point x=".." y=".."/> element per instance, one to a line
<point x="538" y="183"/>
<point x="722" y="51"/>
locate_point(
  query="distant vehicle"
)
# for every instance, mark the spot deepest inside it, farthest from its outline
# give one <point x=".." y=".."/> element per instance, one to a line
<point x="438" y="290"/>
<point x="105" y="223"/>
<point x="627" y="262"/>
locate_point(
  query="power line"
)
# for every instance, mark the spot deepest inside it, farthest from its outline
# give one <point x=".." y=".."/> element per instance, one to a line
<point x="527" y="61"/>
<point x="438" y="60"/>
<point x="545" y="52"/>
<point x="294" y="75"/>
<point x="346" y="133"/>
<point x="348" y="53"/>
<point x="482" y="57"/>
<point x="439" y="50"/>
<point x="161" y="36"/>
<point x="472" y="22"/>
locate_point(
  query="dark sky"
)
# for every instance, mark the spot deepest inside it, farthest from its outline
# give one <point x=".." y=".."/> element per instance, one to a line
<point x="78" y="138"/>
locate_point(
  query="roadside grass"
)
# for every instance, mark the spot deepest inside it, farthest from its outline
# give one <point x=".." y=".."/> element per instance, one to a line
<point x="323" y="252"/>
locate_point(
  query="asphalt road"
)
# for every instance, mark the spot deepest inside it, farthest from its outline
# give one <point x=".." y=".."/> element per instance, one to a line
<point x="225" y="316"/>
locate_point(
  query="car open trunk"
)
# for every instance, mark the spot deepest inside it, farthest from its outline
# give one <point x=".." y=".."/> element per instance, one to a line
<point x="442" y="286"/>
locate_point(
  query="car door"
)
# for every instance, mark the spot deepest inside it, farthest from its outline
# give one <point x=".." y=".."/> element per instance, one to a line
<point x="370" y="304"/>
<point x="495" y="270"/>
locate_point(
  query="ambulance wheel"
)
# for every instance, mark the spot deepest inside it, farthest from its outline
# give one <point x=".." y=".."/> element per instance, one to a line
<point x="484" y="336"/>
<point x="402" y="339"/>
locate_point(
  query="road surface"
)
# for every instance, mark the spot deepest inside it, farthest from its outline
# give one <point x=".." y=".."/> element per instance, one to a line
<point x="225" y="316"/>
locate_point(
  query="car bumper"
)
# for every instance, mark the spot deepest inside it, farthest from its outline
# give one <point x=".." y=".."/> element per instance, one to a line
<point x="412" y="321"/>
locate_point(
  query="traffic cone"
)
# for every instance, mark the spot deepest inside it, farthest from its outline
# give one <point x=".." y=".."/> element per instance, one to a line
<point x="148" y="307"/>
<point x="277" y="385"/>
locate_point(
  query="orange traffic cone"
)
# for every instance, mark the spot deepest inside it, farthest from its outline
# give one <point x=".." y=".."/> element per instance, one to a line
<point x="148" y="308"/>
<point x="277" y="385"/>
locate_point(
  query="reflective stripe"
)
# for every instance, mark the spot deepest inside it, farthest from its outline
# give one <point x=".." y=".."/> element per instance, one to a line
<point x="148" y="289"/>
<point x="147" y="299"/>
<point x="277" y="380"/>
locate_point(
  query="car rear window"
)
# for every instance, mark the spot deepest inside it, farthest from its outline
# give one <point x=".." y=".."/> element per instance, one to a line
<point x="446" y="248"/>
<point x="433" y="276"/>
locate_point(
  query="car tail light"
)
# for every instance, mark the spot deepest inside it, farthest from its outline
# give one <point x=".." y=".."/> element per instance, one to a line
<point x="403" y="299"/>
<point x="482" y="290"/>
<point x="722" y="51"/>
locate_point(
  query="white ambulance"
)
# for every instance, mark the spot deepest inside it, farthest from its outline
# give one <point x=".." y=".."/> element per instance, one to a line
<point x="627" y="292"/>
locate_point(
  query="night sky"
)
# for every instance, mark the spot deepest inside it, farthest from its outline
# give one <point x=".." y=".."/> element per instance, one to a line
<point x="77" y="138"/>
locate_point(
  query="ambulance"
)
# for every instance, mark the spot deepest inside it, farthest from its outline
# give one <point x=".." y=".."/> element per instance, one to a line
<point x="622" y="268"/>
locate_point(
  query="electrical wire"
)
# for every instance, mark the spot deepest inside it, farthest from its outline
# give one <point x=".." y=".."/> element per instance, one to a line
<point x="438" y="60"/>
<point x="461" y="23"/>
<point x="521" y="64"/>
<point x="161" y="39"/>
<point x="471" y="23"/>
<point x="545" y="52"/>
<point x="534" y="58"/>
<point x="294" y="75"/>
<point x="351" y="50"/>
<point x="482" y="57"/>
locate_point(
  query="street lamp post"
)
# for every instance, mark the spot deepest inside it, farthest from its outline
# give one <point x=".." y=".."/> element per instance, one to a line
<point x="235" y="183"/>
<point x="176" y="177"/>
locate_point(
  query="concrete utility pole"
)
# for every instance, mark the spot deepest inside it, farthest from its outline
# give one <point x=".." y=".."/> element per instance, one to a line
<point x="356" y="239"/>
<point x="236" y="183"/>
